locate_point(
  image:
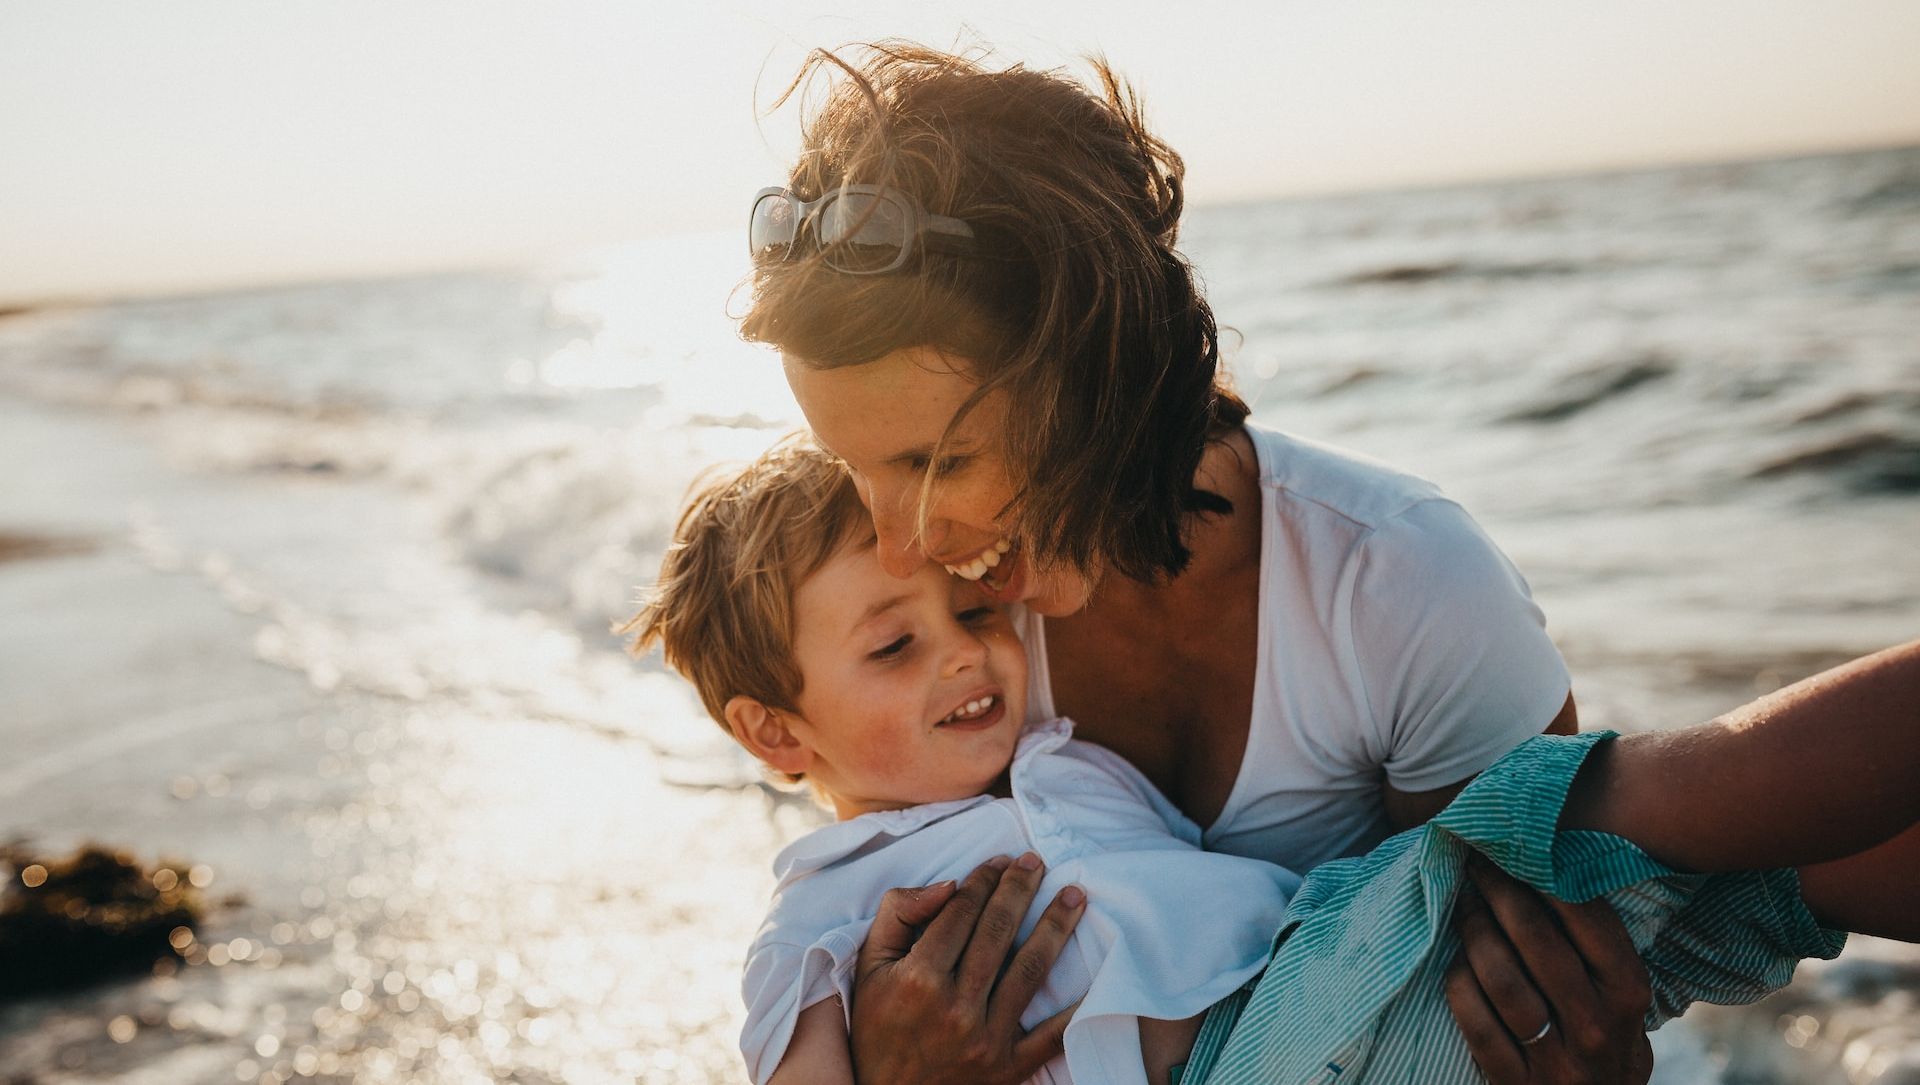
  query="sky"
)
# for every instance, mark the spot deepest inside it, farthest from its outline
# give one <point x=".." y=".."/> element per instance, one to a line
<point x="205" y="144"/>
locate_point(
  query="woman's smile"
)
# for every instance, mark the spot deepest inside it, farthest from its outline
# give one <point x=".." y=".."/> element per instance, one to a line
<point x="977" y="566"/>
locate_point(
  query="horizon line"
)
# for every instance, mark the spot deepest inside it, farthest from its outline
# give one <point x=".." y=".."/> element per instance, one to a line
<point x="531" y="258"/>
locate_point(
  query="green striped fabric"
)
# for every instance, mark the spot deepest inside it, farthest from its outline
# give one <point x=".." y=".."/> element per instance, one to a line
<point x="1353" y="992"/>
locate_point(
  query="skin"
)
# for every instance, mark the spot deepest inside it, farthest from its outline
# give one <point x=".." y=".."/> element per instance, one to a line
<point x="884" y="663"/>
<point x="1161" y="673"/>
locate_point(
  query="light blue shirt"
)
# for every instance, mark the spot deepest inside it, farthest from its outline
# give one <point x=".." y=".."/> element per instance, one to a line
<point x="1169" y="929"/>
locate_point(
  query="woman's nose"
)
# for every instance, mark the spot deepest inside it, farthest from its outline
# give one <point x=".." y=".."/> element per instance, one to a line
<point x="900" y="547"/>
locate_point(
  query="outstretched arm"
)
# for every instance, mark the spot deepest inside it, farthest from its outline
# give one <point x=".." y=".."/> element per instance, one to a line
<point x="1821" y="771"/>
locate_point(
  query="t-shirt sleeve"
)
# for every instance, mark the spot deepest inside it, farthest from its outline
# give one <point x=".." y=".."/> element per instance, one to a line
<point x="1452" y="653"/>
<point x="780" y="980"/>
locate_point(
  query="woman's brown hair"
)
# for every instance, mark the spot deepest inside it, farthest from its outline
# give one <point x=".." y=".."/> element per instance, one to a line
<point x="1076" y="303"/>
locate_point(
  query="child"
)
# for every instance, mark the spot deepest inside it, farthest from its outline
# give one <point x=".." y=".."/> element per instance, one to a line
<point x="900" y="702"/>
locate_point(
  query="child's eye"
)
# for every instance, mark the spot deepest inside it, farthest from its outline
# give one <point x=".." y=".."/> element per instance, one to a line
<point x="975" y="615"/>
<point x="893" y="650"/>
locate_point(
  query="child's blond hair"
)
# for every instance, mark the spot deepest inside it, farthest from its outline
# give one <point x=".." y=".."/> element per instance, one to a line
<point x="722" y="610"/>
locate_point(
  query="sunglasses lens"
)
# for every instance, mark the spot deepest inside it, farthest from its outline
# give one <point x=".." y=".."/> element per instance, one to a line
<point x="771" y="231"/>
<point x="863" y="232"/>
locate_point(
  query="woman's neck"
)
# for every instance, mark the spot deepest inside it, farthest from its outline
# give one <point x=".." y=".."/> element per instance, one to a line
<point x="1164" y="672"/>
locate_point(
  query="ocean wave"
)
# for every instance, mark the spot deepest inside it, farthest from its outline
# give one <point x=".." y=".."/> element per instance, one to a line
<point x="1348" y="378"/>
<point x="1901" y="279"/>
<point x="1580" y="392"/>
<point x="574" y="525"/>
<point x="83" y="379"/>
<point x="1895" y="193"/>
<point x="1416" y="274"/>
<point x="1854" y="404"/>
<point x="1870" y="462"/>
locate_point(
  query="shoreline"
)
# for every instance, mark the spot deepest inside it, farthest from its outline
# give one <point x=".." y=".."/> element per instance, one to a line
<point x="427" y="888"/>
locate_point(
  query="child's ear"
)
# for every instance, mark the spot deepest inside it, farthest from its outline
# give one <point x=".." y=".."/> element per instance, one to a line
<point x="766" y="735"/>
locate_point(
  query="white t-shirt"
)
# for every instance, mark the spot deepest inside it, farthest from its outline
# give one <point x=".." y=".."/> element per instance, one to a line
<point x="1396" y="643"/>
<point x="1169" y="929"/>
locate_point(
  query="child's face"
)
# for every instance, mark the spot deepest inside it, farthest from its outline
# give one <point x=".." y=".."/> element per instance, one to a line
<point x="912" y="691"/>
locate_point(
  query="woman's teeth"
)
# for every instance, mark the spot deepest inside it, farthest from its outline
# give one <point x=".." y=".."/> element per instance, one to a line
<point x="972" y="710"/>
<point x="986" y="559"/>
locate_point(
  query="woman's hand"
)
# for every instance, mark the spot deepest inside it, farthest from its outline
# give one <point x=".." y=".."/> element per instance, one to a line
<point x="930" y="1002"/>
<point x="1545" y="991"/>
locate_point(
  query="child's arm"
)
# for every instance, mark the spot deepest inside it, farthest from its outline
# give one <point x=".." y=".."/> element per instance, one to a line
<point x="818" y="1053"/>
<point x="1825" y="769"/>
<point x="1167" y="1044"/>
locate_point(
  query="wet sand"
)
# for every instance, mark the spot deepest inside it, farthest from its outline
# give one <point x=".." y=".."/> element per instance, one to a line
<point x="411" y="889"/>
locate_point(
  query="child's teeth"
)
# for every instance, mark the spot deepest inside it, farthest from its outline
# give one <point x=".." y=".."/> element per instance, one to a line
<point x="1003" y="546"/>
<point x="991" y="557"/>
<point x="970" y="710"/>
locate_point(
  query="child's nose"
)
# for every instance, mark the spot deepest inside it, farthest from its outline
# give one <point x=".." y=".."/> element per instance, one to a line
<point x="968" y="652"/>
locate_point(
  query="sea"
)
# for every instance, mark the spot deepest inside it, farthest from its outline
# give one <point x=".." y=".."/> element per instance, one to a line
<point x="313" y="587"/>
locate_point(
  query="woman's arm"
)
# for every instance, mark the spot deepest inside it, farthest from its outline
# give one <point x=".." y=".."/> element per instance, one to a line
<point x="817" y="1054"/>
<point x="1824" y="769"/>
<point x="937" y="1000"/>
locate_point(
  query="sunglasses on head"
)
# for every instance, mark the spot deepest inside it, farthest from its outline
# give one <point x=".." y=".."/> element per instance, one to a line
<point x="857" y="229"/>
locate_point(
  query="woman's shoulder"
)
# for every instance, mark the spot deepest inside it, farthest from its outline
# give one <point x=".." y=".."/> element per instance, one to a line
<point x="1302" y="475"/>
<point x="1328" y="509"/>
<point x="1304" y="511"/>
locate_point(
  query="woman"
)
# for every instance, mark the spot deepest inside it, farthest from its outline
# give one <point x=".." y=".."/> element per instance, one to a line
<point x="971" y="277"/>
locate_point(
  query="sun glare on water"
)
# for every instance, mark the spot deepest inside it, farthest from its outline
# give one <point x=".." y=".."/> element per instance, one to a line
<point x="663" y="315"/>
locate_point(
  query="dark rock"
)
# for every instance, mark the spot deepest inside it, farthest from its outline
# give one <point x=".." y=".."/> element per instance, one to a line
<point x="99" y="913"/>
<point x="16" y="547"/>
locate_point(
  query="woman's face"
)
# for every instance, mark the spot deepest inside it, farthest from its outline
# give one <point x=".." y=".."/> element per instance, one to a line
<point x="884" y="419"/>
